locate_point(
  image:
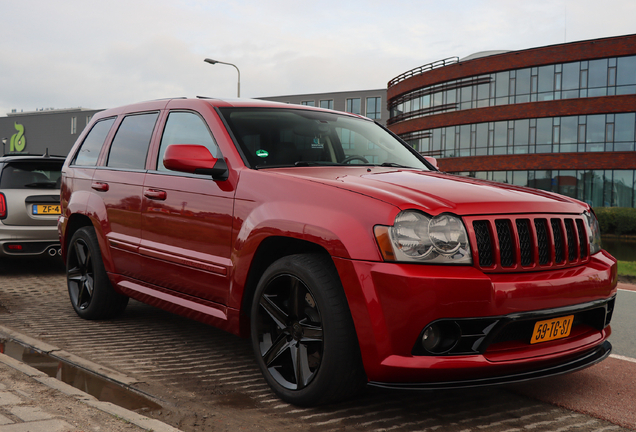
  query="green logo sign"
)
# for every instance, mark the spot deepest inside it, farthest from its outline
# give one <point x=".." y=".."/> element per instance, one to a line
<point x="262" y="153"/>
<point x="18" y="140"/>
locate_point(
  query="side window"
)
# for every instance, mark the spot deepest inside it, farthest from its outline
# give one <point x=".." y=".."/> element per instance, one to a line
<point x="130" y="145"/>
<point x="90" y="148"/>
<point x="185" y="128"/>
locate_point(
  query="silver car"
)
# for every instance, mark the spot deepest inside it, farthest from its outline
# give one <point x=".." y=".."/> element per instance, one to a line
<point x="29" y="205"/>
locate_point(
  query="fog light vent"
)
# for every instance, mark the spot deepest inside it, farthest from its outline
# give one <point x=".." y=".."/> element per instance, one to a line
<point x="440" y="337"/>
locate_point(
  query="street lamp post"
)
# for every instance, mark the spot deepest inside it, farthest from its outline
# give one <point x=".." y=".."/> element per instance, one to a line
<point x="238" y="88"/>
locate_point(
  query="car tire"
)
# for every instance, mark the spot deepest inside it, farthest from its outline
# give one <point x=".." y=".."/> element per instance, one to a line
<point x="89" y="288"/>
<point x="303" y="334"/>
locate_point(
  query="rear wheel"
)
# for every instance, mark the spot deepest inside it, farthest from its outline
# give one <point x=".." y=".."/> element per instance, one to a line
<point x="303" y="334"/>
<point x="90" y="291"/>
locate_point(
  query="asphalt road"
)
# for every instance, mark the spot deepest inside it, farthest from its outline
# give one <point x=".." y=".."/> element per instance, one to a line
<point x="623" y="336"/>
<point x="207" y="380"/>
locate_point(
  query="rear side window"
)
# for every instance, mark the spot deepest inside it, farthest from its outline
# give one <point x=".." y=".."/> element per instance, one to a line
<point x="130" y="145"/>
<point x="90" y="148"/>
<point x="31" y="175"/>
<point x="185" y="128"/>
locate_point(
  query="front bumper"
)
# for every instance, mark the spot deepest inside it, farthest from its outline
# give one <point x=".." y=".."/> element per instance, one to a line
<point x="588" y="359"/>
<point x="392" y="303"/>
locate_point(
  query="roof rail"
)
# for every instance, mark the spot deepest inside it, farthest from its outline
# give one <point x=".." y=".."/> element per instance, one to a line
<point x="422" y="69"/>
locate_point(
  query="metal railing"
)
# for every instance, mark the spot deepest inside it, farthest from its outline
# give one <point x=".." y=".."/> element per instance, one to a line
<point x="422" y="69"/>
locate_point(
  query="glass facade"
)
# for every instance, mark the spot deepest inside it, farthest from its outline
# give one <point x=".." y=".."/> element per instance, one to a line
<point x="589" y="78"/>
<point x="598" y="188"/>
<point x="568" y="134"/>
<point x="592" y="130"/>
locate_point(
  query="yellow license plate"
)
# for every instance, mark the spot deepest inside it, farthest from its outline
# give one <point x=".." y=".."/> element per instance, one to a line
<point x="46" y="209"/>
<point x="552" y="329"/>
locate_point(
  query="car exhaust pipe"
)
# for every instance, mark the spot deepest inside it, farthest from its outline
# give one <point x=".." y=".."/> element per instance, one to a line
<point x="54" y="251"/>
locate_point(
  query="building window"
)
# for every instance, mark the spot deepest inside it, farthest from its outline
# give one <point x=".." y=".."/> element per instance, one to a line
<point x="598" y="188"/>
<point x="353" y="106"/>
<point x="73" y="125"/>
<point x="374" y="107"/>
<point x="308" y="103"/>
<point x="327" y="104"/>
<point x="593" y="78"/>
<point x="568" y="134"/>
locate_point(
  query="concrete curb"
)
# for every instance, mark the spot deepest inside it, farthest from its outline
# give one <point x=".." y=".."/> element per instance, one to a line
<point x="107" y="407"/>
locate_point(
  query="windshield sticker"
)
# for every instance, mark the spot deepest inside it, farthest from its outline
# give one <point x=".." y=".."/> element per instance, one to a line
<point x="262" y="153"/>
<point x="317" y="144"/>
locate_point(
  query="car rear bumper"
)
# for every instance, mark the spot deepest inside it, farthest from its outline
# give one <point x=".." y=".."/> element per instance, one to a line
<point x="33" y="241"/>
<point x="392" y="304"/>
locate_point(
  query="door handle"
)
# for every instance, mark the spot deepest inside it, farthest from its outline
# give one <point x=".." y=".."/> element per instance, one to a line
<point x="99" y="186"/>
<point x="155" y="194"/>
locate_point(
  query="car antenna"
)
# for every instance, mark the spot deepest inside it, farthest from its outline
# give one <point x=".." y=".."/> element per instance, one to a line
<point x="46" y="154"/>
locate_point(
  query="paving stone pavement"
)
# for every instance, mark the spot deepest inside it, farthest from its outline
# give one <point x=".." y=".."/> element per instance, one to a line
<point x="31" y="401"/>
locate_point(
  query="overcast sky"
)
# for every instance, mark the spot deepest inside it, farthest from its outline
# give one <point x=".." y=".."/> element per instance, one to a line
<point x="101" y="54"/>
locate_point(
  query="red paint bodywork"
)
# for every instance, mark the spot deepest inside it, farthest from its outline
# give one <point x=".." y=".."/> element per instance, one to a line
<point x="187" y="244"/>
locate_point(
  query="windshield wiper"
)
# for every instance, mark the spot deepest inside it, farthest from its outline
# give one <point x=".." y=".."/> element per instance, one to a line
<point x="394" y="165"/>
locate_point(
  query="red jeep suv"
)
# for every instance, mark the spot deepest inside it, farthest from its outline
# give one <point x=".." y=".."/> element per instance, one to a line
<point x="346" y="256"/>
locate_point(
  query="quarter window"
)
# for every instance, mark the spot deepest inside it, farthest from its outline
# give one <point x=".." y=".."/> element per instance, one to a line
<point x="130" y="145"/>
<point x="90" y="148"/>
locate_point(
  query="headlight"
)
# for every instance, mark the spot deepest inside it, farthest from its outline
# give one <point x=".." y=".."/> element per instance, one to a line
<point x="594" y="232"/>
<point x="417" y="237"/>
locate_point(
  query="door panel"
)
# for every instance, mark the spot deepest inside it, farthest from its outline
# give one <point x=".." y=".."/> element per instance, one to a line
<point x="187" y="235"/>
<point x="187" y="219"/>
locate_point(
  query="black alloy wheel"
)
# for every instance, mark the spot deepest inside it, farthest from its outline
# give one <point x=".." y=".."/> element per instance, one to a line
<point x="89" y="288"/>
<point x="290" y="331"/>
<point x="80" y="275"/>
<point x="302" y="332"/>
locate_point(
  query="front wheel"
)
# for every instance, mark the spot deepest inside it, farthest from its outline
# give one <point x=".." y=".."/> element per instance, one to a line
<point x="302" y="332"/>
<point x="90" y="291"/>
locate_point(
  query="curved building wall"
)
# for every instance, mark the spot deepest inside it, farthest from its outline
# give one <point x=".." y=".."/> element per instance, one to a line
<point x="560" y="118"/>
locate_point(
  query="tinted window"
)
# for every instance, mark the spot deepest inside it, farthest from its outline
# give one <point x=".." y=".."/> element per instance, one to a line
<point x="90" y="148"/>
<point x="288" y="137"/>
<point x="130" y="145"/>
<point x="31" y="175"/>
<point x="185" y="128"/>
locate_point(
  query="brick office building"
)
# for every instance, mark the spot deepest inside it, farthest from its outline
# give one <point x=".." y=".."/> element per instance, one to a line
<point x="559" y="118"/>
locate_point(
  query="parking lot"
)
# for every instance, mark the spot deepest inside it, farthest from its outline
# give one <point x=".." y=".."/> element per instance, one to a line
<point x="206" y="379"/>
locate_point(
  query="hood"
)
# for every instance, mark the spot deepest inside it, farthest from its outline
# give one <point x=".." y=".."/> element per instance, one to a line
<point x="435" y="192"/>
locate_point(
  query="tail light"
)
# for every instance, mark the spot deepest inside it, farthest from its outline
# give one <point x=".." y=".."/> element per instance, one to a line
<point x="3" y="206"/>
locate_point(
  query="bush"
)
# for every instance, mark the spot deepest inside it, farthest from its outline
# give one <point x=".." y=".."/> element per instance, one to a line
<point x="616" y="220"/>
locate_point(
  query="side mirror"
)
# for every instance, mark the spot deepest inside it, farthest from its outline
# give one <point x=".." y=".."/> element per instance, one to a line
<point x="432" y="161"/>
<point x="194" y="159"/>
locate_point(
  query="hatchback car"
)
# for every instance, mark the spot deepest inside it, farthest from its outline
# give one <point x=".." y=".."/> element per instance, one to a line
<point x="29" y="205"/>
<point x="343" y="253"/>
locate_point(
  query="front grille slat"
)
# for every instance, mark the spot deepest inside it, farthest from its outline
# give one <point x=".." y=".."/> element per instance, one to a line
<point x="531" y="242"/>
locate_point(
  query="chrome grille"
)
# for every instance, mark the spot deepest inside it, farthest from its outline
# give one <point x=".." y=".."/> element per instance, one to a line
<point x="528" y="242"/>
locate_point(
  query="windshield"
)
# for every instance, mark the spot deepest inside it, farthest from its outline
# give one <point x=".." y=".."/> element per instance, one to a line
<point x="274" y="137"/>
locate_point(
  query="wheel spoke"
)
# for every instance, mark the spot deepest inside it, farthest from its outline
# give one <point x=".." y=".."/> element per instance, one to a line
<point x="278" y="347"/>
<point x="311" y="333"/>
<point x="80" y="255"/>
<point x="295" y="298"/>
<point x="301" y="365"/>
<point x="81" y="288"/>
<point x="275" y="313"/>
<point x="74" y="274"/>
